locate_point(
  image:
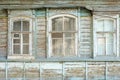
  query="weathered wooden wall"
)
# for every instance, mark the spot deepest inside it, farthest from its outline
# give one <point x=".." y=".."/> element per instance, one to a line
<point x="40" y="38"/>
<point x="85" y="33"/>
<point x="84" y="29"/>
<point x="40" y="33"/>
<point x="3" y="33"/>
<point x="60" y="70"/>
<point x="57" y="70"/>
<point x="98" y="5"/>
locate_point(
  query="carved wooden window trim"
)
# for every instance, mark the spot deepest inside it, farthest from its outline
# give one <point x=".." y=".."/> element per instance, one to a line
<point x="61" y="34"/>
<point x="114" y="32"/>
<point x="20" y="34"/>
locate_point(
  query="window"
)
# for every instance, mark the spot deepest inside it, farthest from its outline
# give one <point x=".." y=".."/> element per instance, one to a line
<point x="20" y="37"/>
<point x="62" y="36"/>
<point x="106" y="36"/>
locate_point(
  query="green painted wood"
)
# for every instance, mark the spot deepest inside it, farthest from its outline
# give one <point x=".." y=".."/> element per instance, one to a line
<point x="3" y="13"/>
<point x="35" y="38"/>
<point x="6" y="70"/>
<point x="40" y="12"/>
<point x="85" y="12"/>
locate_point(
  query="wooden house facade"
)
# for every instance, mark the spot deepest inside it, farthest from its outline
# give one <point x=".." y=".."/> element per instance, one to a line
<point x="59" y="40"/>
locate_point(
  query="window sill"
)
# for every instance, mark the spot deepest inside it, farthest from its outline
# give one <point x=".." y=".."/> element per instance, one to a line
<point x="20" y="57"/>
<point x="102" y="59"/>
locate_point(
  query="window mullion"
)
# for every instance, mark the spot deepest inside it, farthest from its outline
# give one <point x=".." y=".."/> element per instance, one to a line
<point x="63" y="38"/>
<point x="64" y="22"/>
<point x="21" y="35"/>
<point x="114" y="37"/>
<point x="104" y="35"/>
<point x="106" y="44"/>
<point x="114" y="43"/>
<point x="12" y="46"/>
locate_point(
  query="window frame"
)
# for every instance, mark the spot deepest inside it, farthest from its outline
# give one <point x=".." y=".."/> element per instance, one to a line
<point x="114" y="18"/>
<point x="11" y="21"/>
<point x="49" y="31"/>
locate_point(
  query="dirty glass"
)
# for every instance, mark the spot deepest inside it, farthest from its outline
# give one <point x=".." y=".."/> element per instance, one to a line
<point x="69" y="35"/>
<point x="63" y="36"/>
<point x="109" y="44"/>
<point x="25" y="26"/>
<point x="105" y="37"/>
<point x="25" y="49"/>
<point x="16" y="40"/>
<point x="57" y="24"/>
<point x="100" y="26"/>
<point x="69" y="47"/>
<point x="20" y="38"/>
<point x="101" y="46"/>
<point x="25" y="38"/>
<point x="57" y="47"/>
<point x="16" y="49"/>
<point x="69" y="24"/>
<point x="17" y="26"/>
<point x="57" y="35"/>
<point x="108" y="25"/>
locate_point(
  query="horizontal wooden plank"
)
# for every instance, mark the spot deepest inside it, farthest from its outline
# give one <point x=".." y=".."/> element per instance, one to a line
<point x="86" y="30"/>
<point x="3" y="20"/>
<point x="40" y="53"/>
<point x="87" y="26"/>
<point x="40" y="27"/>
<point x="82" y="35"/>
<point x="87" y="18"/>
<point x="85" y="47"/>
<point x="59" y="2"/>
<point x="96" y="5"/>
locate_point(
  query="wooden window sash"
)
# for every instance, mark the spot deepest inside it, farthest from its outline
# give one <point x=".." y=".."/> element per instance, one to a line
<point x="21" y="32"/>
<point x="64" y="38"/>
<point x="114" y="32"/>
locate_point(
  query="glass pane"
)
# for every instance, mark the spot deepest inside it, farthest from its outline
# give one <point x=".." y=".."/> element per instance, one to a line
<point x="25" y="38"/>
<point x="69" y="47"/>
<point x="109" y="44"/>
<point x="109" y="38"/>
<point x="71" y="35"/>
<point x="100" y="34"/>
<point x="57" y="24"/>
<point x="100" y="25"/>
<point x="101" y="50"/>
<point x="109" y="50"/>
<point x="25" y="49"/>
<point x="16" y="49"/>
<point x="57" y="35"/>
<point x="108" y="25"/>
<point x="57" y="47"/>
<point x="17" y="26"/>
<point x="16" y="41"/>
<point x="25" y="26"/>
<point x="69" y="24"/>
